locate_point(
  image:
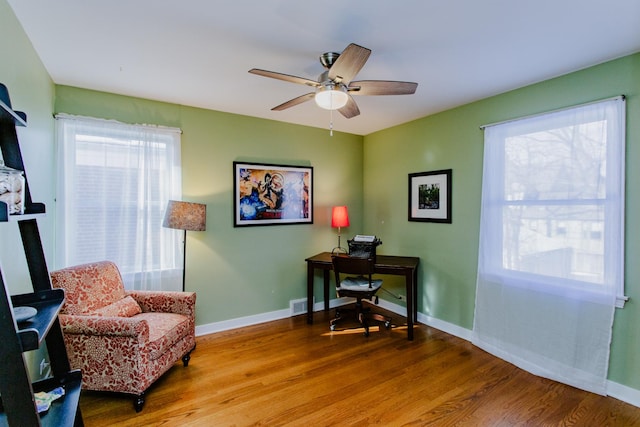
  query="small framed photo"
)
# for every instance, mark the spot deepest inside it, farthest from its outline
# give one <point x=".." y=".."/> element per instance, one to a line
<point x="430" y="196"/>
<point x="267" y="194"/>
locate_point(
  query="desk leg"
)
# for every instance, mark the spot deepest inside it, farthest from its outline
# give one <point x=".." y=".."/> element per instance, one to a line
<point x="326" y="290"/>
<point x="409" y="282"/>
<point x="310" y="293"/>
<point x="415" y="295"/>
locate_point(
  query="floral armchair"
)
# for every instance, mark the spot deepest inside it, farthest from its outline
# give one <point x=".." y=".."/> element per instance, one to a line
<point x="121" y="340"/>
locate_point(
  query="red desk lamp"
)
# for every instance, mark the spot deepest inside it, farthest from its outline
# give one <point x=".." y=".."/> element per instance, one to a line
<point x="339" y="218"/>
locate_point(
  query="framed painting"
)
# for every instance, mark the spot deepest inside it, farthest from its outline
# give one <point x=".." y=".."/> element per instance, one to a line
<point x="267" y="194"/>
<point x="430" y="196"/>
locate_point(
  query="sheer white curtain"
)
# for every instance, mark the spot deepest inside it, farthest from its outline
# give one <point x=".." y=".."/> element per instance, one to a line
<point x="114" y="182"/>
<point x="551" y="242"/>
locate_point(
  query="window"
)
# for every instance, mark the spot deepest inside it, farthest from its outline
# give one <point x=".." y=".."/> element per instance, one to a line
<point x="557" y="197"/>
<point x="551" y="253"/>
<point x="114" y="183"/>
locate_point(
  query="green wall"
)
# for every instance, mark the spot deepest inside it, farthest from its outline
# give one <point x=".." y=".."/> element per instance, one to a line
<point x="243" y="271"/>
<point x="453" y="140"/>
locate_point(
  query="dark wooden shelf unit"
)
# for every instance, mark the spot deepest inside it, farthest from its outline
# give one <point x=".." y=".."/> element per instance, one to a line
<point x="18" y="407"/>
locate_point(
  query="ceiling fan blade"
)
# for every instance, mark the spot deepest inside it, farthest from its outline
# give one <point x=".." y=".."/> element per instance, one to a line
<point x="349" y="63"/>
<point x="295" y="101"/>
<point x="381" y="87"/>
<point x="350" y="109"/>
<point x="285" y="77"/>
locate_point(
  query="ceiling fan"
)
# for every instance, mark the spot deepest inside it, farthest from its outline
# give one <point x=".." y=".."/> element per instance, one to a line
<point x="334" y="87"/>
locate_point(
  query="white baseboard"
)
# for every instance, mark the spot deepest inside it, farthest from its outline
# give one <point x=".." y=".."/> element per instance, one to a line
<point x="241" y="322"/>
<point x="615" y="390"/>
<point x="624" y="393"/>
<point x="441" y="325"/>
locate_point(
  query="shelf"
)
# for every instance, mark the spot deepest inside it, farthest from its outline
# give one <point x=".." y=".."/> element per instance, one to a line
<point x="31" y="211"/>
<point x="48" y="304"/>
<point x="62" y="411"/>
<point x="18" y="117"/>
<point x="12" y="156"/>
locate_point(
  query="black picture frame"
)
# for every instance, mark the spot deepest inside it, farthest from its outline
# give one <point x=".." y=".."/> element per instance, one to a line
<point x="272" y="194"/>
<point x="430" y="196"/>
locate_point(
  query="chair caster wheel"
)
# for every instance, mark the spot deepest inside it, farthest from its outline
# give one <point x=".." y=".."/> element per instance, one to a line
<point x="332" y="327"/>
<point x="387" y="324"/>
<point x="366" y="333"/>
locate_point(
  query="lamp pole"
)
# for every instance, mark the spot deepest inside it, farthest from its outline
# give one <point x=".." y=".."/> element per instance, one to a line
<point x="184" y="259"/>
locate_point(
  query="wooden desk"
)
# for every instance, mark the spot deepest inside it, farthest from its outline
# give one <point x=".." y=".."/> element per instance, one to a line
<point x="385" y="264"/>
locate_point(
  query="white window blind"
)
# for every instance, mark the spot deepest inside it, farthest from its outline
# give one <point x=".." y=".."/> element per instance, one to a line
<point x="114" y="182"/>
<point x="551" y="255"/>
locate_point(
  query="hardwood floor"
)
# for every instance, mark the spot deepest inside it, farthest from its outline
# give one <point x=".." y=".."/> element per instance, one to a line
<point x="287" y="373"/>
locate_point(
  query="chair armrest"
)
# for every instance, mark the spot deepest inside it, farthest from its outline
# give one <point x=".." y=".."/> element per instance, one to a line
<point x="166" y="302"/>
<point x="105" y="326"/>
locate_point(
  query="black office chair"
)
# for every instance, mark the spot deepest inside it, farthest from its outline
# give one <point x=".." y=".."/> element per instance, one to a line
<point x="353" y="279"/>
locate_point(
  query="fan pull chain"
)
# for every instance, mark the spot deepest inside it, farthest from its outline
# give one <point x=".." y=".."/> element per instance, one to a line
<point x="331" y="123"/>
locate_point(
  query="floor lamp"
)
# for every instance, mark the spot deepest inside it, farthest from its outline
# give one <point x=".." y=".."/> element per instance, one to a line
<point x="339" y="218"/>
<point x="185" y="216"/>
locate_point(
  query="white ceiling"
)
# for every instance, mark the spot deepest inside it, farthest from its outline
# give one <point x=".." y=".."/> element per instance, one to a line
<point x="198" y="52"/>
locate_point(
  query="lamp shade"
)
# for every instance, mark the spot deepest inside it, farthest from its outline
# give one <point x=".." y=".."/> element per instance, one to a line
<point x="331" y="98"/>
<point x="185" y="216"/>
<point x="339" y="216"/>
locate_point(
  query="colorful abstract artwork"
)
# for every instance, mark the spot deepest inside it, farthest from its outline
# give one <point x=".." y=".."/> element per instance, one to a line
<point x="266" y="194"/>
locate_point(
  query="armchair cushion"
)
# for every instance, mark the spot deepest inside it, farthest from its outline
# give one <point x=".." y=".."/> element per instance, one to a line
<point x="165" y="330"/>
<point x="126" y="307"/>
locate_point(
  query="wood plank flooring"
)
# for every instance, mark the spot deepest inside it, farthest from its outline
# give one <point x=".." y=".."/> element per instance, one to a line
<point x="287" y="373"/>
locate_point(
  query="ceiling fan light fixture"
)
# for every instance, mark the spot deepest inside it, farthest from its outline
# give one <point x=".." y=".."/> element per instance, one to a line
<point x="331" y="96"/>
<point x="333" y="90"/>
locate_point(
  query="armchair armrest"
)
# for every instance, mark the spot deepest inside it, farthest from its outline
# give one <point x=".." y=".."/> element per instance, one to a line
<point x="166" y="302"/>
<point x="105" y="326"/>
